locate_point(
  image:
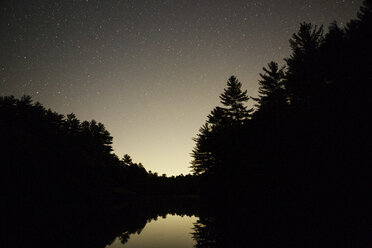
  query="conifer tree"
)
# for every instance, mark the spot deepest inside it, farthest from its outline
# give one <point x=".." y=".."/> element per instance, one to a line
<point x="302" y="82"/>
<point x="127" y="160"/>
<point x="202" y="154"/>
<point x="212" y="148"/>
<point x="271" y="90"/>
<point x="218" y="118"/>
<point x="233" y="98"/>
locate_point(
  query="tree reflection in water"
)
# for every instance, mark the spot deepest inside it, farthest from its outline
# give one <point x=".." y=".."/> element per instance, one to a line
<point x="219" y="225"/>
<point x="86" y="225"/>
<point x="240" y="225"/>
<point x="205" y="233"/>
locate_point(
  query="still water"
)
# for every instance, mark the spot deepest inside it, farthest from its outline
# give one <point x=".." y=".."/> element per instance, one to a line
<point x="172" y="231"/>
<point x="172" y="222"/>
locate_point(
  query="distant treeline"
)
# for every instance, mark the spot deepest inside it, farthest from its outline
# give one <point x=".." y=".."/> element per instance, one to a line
<point x="47" y="158"/>
<point x="308" y="136"/>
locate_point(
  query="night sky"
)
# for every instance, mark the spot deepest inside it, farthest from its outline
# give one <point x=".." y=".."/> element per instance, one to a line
<point x="151" y="71"/>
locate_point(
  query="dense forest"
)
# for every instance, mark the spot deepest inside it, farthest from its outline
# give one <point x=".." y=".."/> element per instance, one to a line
<point x="306" y="140"/>
<point x="50" y="158"/>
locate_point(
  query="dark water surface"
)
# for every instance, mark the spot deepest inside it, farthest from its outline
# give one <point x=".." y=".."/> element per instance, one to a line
<point x="146" y="222"/>
<point x="185" y="222"/>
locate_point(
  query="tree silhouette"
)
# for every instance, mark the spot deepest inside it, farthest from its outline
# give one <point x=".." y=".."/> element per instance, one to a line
<point x="306" y="141"/>
<point x="127" y="160"/>
<point x="302" y="77"/>
<point x="272" y="97"/>
<point x="203" y="159"/>
<point x="217" y="150"/>
<point x="233" y="98"/>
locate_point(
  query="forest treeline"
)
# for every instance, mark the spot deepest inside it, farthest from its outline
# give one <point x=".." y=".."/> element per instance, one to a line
<point x="307" y="138"/>
<point x="47" y="158"/>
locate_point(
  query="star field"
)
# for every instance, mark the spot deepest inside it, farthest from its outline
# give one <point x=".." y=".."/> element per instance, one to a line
<point x="151" y="71"/>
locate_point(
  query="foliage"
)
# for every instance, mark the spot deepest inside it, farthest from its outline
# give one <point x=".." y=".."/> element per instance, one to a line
<point x="216" y="135"/>
<point x="50" y="158"/>
<point x="233" y="98"/>
<point x="308" y="136"/>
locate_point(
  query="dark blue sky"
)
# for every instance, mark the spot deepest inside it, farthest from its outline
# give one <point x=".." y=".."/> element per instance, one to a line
<point x="151" y="71"/>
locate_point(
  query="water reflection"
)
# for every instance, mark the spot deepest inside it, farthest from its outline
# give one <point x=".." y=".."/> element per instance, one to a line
<point x="167" y="231"/>
<point x="185" y="222"/>
<point x="268" y="225"/>
<point x="91" y="225"/>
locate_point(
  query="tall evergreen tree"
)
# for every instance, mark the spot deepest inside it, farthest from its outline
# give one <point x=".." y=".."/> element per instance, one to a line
<point x="271" y="88"/>
<point x="202" y="155"/>
<point x="302" y="73"/>
<point x="218" y="137"/>
<point x="233" y="98"/>
<point x="218" y="118"/>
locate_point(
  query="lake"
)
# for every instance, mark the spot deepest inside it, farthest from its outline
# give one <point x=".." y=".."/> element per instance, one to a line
<point x="169" y="231"/>
<point x="181" y="222"/>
